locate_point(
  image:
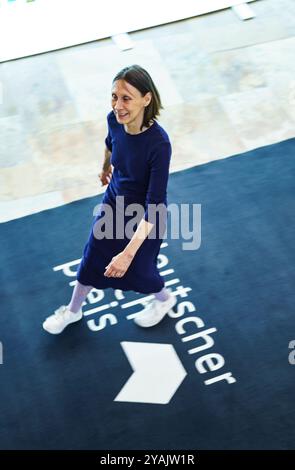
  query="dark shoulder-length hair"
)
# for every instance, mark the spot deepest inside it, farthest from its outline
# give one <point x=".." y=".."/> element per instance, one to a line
<point x="138" y="77"/>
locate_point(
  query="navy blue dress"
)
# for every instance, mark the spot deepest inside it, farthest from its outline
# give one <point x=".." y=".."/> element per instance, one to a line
<point x="140" y="174"/>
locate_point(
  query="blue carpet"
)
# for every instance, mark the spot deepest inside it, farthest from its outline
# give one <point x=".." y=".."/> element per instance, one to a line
<point x="58" y="392"/>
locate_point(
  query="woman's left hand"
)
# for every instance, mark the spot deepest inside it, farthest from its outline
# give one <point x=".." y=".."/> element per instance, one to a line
<point x="118" y="265"/>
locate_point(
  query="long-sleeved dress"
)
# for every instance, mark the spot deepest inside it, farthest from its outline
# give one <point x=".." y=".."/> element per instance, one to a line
<point x="140" y="174"/>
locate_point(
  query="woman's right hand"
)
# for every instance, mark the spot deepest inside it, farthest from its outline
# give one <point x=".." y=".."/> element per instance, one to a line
<point x="105" y="176"/>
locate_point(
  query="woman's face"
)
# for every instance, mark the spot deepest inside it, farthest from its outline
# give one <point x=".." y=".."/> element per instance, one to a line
<point x="127" y="103"/>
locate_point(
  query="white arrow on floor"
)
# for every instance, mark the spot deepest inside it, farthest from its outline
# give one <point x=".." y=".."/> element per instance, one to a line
<point x="157" y="374"/>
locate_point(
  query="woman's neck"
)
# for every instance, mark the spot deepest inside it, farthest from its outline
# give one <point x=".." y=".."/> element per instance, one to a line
<point x="134" y="130"/>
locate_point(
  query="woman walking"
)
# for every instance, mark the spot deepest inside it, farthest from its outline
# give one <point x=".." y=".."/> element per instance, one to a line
<point x="136" y="169"/>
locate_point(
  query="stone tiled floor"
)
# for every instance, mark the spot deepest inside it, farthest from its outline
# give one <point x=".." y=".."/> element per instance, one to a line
<point x="227" y="86"/>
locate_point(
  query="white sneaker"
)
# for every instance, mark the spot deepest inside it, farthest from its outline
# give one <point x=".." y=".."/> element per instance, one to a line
<point x="61" y="318"/>
<point x="155" y="311"/>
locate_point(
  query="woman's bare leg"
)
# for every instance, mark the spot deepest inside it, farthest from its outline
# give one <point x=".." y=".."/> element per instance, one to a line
<point x="163" y="295"/>
<point x="79" y="294"/>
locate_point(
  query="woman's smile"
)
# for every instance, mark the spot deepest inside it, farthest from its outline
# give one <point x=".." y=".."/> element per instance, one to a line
<point x="122" y="116"/>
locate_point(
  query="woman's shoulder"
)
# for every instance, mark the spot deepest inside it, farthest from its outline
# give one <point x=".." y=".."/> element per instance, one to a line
<point x="160" y="146"/>
<point x="161" y="138"/>
<point x="160" y="135"/>
<point x="111" y="118"/>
